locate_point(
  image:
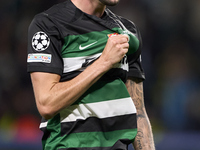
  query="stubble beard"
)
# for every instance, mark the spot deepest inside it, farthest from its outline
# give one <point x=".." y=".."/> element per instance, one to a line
<point x="109" y="2"/>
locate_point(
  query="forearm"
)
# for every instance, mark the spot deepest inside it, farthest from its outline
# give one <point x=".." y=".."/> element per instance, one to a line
<point x="144" y="138"/>
<point x="59" y="95"/>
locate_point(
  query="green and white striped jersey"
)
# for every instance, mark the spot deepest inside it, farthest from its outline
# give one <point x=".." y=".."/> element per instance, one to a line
<point x="64" y="40"/>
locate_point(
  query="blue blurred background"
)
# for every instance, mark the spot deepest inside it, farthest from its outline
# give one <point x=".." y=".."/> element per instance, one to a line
<point x="171" y="49"/>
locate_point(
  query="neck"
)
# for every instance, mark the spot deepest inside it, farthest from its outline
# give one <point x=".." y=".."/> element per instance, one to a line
<point x="91" y="7"/>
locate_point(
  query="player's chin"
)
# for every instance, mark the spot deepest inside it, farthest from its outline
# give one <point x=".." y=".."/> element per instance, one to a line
<point x="110" y="2"/>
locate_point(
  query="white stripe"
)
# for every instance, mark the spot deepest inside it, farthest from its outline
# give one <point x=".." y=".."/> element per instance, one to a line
<point x="43" y="124"/>
<point x="75" y="63"/>
<point x="100" y="109"/>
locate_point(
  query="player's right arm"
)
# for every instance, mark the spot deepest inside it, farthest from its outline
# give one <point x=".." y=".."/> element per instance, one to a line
<point x="52" y="96"/>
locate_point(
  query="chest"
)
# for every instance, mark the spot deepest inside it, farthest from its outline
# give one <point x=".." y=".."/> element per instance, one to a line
<point x="89" y="37"/>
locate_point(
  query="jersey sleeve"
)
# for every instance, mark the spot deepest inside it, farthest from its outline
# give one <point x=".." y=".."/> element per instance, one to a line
<point x="134" y="60"/>
<point x="44" y="46"/>
<point x="135" y="63"/>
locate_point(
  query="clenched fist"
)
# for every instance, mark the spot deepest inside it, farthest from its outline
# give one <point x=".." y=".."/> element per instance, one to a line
<point x="115" y="50"/>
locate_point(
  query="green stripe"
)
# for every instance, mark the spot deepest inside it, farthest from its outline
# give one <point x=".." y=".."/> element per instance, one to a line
<point x="104" y="91"/>
<point x="54" y="127"/>
<point x="92" y="139"/>
<point x="72" y="43"/>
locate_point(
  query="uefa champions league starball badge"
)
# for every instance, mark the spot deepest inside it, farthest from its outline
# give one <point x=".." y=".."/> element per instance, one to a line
<point x="40" y="41"/>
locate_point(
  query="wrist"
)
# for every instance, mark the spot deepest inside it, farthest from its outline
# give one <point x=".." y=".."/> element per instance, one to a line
<point x="103" y="65"/>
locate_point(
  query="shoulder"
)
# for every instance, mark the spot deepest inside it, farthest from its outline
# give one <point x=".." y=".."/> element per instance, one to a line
<point x="54" y="18"/>
<point x="129" y="24"/>
<point x="126" y="22"/>
<point x="41" y="21"/>
<point x="61" y="12"/>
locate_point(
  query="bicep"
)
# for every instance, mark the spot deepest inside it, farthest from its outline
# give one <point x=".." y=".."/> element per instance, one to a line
<point x="135" y="89"/>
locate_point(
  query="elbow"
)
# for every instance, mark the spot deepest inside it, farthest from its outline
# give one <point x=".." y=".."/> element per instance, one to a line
<point x="46" y="110"/>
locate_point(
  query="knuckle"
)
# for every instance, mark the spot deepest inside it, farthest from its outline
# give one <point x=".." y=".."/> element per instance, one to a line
<point x="127" y="44"/>
<point x="114" y="42"/>
<point x="118" y="46"/>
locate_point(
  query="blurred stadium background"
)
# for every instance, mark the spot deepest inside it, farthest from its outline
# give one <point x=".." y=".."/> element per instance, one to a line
<point x="171" y="49"/>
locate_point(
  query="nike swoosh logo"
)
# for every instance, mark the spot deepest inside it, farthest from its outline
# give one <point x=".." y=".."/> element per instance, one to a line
<point x="84" y="47"/>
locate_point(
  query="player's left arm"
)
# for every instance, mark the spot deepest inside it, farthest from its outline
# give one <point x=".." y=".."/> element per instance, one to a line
<point x="144" y="138"/>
